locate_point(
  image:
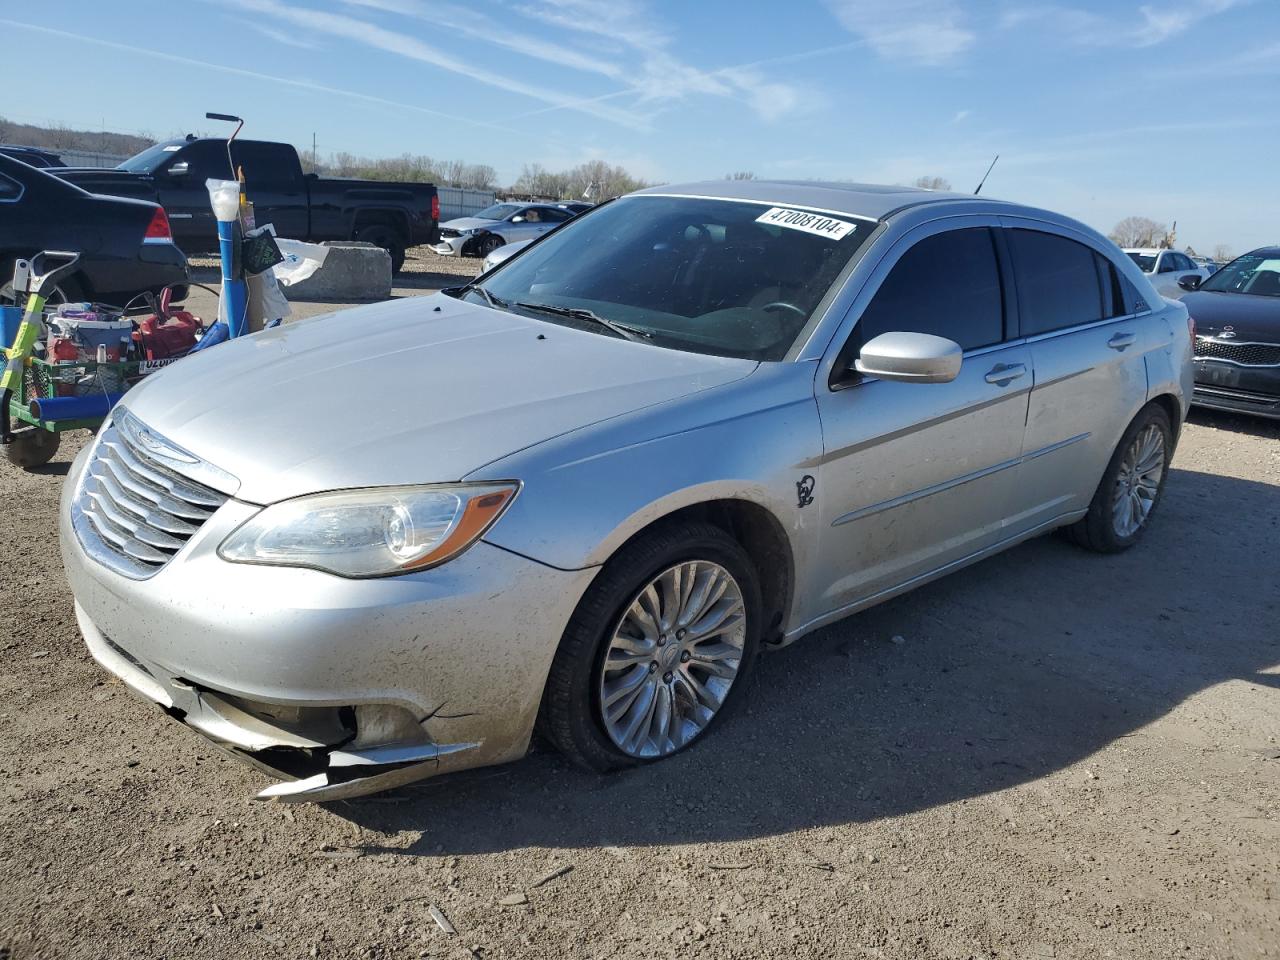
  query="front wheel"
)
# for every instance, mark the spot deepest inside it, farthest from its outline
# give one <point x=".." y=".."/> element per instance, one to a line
<point x="486" y="245"/>
<point x="1131" y="487"/>
<point x="659" y="647"/>
<point x="32" y="447"/>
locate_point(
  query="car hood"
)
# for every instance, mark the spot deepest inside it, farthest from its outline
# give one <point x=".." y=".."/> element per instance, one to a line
<point x="1250" y="318"/>
<point x="422" y="390"/>
<point x="468" y="223"/>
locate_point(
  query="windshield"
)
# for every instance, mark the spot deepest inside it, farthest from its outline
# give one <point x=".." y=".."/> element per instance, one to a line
<point x="1146" y="261"/>
<point x="1253" y="274"/>
<point x="726" y="277"/>
<point x="150" y="158"/>
<point x="499" y="211"/>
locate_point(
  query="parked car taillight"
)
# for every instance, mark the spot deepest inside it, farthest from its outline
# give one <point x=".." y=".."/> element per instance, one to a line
<point x="158" y="229"/>
<point x="435" y="207"/>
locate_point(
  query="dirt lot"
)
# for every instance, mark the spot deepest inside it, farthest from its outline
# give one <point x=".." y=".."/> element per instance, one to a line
<point x="1061" y="755"/>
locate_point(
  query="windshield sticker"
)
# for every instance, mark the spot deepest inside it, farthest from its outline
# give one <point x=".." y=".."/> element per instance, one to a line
<point x="814" y="223"/>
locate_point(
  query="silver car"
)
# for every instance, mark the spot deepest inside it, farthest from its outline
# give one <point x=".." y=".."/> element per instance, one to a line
<point x="488" y="230"/>
<point x="582" y="493"/>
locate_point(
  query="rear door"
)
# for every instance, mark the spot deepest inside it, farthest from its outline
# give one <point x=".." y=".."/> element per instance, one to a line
<point x="916" y="476"/>
<point x="1087" y="329"/>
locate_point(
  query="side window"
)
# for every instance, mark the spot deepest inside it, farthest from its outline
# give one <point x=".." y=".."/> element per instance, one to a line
<point x="204" y="159"/>
<point x="555" y="216"/>
<point x="1167" y="263"/>
<point x="9" y="190"/>
<point x="947" y="285"/>
<point x="265" y="165"/>
<point x="1184" y="262"/>
<point x="1059" y="283"/>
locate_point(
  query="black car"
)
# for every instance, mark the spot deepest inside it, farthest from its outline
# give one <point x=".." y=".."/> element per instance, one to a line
<point x="31" y="156"/>
<point x="125" y="246"/>
<point x="1237" y="344"/>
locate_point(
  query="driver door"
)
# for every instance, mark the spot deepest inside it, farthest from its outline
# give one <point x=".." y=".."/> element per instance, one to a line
<point x="918" y="476"/>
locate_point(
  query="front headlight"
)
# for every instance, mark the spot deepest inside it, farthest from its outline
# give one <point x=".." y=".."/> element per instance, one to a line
<point x="370" y="533"/>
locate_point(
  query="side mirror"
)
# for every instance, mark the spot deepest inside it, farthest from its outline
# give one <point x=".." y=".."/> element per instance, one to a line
<point x="178" y="169"/>
<point x="517" y="219"/>
<point x="1190" y="282"/>
<point x="913" y="357"/>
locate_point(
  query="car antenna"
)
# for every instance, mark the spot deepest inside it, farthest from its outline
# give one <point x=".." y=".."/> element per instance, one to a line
<point x="985" y="175"/>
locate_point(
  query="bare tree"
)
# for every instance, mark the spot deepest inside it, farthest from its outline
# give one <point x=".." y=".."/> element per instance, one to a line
<point x="1223" y="254"/>
<point x="1138" y="232"/>
<point x="740" y="175"/>
<point x="933" y="183"/>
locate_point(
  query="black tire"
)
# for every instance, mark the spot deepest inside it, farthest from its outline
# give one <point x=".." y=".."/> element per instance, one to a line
<point x="388" y="238"/>
<point x="570" y="712"/>
<point x="32" y="447"/>
<point x="1096" y="530"/>
<point x="486" y="245"/>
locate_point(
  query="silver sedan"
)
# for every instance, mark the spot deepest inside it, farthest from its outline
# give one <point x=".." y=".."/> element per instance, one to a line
<point x="584" y="492"/>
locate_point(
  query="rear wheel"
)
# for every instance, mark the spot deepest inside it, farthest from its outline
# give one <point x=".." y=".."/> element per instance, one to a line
<point x="1131" y="488"/>
<point x="32" y="447"/>
<point x="659" y="647"/>
<point x="388" y="238"/>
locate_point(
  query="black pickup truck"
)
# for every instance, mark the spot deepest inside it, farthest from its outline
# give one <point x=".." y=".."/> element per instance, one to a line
<point x="302" y="206"/>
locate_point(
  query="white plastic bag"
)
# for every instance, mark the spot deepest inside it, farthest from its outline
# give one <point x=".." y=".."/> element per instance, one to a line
<point x="224" y="197"/>
<point x="266" y="302"/>
<point x="301" y="260"/>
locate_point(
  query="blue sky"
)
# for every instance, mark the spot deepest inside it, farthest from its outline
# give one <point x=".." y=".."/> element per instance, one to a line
<point x="1167" y="109"/>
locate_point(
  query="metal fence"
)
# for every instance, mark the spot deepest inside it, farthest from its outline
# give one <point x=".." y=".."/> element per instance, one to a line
<point x="88" y="158"/>
<point x="461" y="202"/>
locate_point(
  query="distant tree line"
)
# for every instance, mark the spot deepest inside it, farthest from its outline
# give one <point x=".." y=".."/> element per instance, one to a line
<point x="406" y="167"/>
<point x="1145" y="232"/>
<point x="60" y="137"/>
<point x="594" y="180"/>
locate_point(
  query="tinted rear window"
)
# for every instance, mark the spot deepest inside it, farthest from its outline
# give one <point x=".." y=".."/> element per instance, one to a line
<point x="1060" y="282"/>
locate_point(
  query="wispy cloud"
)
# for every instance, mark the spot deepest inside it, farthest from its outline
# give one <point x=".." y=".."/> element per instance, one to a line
<point x="961" y="116"/>
<point x="401" y="44"/>
<point x="279" y="36"/>
<point x="659" y="75"/>
<point x="1146" y="25"/>
<point x="250" y="74"/>
<point x="472" y="23"/>
<point x="928" y="32"/>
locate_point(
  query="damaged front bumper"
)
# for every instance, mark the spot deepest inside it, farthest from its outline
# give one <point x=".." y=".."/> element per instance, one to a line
<point x="321" y="753"/>
<point x="337" y="687"/>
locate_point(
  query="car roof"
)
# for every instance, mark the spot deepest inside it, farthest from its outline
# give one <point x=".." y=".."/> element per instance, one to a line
<point x="1144" y="250"/>
<point x="1268" y="252"/>
<point x="873" y="201"/>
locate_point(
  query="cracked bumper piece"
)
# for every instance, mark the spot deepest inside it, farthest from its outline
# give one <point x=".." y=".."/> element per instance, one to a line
<point x="336" y="687"/>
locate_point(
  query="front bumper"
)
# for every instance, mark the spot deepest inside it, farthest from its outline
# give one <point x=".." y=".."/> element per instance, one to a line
<point x="450" y="246"/>
<point x="342" y="687"/>
<point x="1237" y="388"/>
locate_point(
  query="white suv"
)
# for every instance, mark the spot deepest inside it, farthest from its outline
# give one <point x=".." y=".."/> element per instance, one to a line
<point x="1164" y="268"/>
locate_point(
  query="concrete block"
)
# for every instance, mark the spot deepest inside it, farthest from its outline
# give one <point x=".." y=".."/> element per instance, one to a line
<point x="351" y="271"/>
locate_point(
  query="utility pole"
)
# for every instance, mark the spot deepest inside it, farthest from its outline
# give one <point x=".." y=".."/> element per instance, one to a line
<point x="313" y="151"/>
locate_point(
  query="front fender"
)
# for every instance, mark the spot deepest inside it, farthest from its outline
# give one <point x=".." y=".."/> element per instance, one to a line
<point x="588" y="492"/>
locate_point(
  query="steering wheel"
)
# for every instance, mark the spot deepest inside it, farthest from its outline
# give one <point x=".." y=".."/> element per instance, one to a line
<point x="783" y="305"/>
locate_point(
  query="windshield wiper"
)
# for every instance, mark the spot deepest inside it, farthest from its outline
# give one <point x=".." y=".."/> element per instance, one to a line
<point x="495" y="302"/>
<point x="582" y="313"/>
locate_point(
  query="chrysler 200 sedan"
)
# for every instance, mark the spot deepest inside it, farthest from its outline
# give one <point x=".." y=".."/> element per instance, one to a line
<point x="580" y="494"/>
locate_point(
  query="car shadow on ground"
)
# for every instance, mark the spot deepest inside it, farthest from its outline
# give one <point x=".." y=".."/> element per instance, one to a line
<point x="1235" y="422"/>
<point x="982" y="693"/>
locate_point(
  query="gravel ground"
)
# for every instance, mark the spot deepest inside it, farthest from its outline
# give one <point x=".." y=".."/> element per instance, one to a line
<point x="1051" y="754"/>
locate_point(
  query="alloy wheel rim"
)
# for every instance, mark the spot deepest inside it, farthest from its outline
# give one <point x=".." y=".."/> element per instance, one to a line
<point x="672" y="659"/>
<point x="1138" y="482"/>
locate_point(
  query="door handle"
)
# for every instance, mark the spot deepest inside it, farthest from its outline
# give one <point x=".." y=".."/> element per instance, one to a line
<point x="1003" y="374"/>
<point x="1122" y="340"/>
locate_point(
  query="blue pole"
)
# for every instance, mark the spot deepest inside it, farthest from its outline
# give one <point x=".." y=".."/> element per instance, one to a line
<point x="235" y="294"/>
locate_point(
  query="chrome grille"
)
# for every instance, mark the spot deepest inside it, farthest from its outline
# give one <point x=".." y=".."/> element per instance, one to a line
<point x="133" y="511"/>
<point x="1244" y="354"/>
